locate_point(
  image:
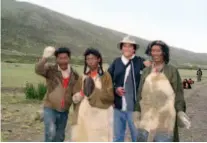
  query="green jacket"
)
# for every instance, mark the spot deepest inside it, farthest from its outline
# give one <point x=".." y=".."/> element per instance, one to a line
<point x="175" y="80"/>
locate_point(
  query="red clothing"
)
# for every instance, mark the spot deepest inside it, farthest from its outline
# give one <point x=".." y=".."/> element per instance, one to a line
<point x="81" y="93"/>
<point x="65" y="83"/>
<point x="93" y="74"/>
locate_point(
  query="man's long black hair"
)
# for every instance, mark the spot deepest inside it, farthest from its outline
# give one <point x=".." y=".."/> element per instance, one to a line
<point x="96" y="53"/>
<point x="164" y="47"/>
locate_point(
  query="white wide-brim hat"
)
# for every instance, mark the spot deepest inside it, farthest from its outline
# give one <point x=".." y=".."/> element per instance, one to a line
<point x="129" y="40"/>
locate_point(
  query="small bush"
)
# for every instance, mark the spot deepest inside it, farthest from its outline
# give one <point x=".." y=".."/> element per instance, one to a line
<point x="41" y="91"/>
<point x="30" y="91"/>
<point x="35" y="93"/>
<point x="10" y="61"/>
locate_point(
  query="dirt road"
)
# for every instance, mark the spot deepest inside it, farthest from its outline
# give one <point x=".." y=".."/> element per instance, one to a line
<point x="197" y="111"/>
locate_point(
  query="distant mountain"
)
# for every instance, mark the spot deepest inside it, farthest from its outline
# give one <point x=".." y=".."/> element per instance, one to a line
<point x="28" y="28"/>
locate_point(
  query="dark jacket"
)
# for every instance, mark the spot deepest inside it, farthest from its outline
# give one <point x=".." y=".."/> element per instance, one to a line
<point x="199" y="72"/>
<point x="117" y="71"/>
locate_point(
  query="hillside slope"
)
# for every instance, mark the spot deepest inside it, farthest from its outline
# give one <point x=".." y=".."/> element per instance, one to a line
<point x="28" y="28"/>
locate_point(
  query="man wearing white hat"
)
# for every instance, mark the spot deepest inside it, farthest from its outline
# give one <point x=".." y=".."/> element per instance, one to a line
<point x="125" y="72"/>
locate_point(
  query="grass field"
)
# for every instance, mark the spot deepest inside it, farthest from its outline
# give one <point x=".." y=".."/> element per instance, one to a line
<point x="16" y="75"/>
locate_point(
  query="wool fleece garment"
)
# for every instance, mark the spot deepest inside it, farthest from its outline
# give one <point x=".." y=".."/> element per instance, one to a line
<point x="161" y="98"/>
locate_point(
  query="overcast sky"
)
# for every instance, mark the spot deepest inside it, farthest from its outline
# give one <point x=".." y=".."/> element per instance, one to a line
<point x="180" y="23"/>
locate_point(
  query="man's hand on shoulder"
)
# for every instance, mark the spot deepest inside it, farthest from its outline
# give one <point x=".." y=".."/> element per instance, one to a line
<point x="147" y="63"/>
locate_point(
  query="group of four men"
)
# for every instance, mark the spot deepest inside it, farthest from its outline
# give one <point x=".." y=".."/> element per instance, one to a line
<point x="96" y="96"/>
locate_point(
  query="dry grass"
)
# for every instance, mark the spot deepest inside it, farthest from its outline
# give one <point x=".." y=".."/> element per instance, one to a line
<point x="17" y="112"/>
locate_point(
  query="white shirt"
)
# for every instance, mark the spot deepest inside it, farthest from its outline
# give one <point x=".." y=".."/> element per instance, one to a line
<point x="65" y="73"/>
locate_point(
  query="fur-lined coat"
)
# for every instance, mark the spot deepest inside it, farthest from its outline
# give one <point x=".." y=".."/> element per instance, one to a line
<point x="93" y="115"/>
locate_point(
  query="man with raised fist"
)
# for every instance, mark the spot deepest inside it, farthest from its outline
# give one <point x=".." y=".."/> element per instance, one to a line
<point x="61" y="85"/>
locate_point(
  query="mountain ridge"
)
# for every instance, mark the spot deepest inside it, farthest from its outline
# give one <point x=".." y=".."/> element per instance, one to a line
<point x="28" y="28"/>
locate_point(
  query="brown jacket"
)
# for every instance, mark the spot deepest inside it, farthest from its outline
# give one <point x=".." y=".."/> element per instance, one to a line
<point x="101" y="98"/>
<point x="55" y="90"/>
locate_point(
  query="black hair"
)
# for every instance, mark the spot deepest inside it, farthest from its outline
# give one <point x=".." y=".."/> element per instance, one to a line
<point x="134" y="45"/>
<point x="62" y="50"/>
<point x="96" y="53"/>
<point x="164" y="47"/>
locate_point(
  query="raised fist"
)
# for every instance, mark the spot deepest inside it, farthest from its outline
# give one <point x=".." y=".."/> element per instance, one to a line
<point x="88" y="86"/>
<point x="48" y="52"/>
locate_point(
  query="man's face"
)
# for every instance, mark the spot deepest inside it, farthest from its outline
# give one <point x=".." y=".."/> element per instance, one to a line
<point x="128" y="50"/>
<point x="157" y="54"/>
<point x="63" y="60"/>
<point x="92" y="61"/>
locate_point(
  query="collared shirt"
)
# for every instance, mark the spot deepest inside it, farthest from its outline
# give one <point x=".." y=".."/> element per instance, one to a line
<point x="65" y="73"/>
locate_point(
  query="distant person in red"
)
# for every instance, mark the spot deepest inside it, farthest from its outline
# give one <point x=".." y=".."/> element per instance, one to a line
<point x="186" y="84"/>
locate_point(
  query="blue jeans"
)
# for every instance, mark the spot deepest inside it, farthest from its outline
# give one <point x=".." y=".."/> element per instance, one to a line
<point x="163" y="137"/>
<point x="142" y="136"/>
<point x="121" y="118"/>
<point x="55" y="123"/>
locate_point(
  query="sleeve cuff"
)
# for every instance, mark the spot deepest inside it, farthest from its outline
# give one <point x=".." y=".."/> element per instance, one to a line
<point x="77" y="97"/>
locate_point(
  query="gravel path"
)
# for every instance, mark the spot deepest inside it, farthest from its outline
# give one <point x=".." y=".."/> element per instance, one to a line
<point x="197" y="111"/>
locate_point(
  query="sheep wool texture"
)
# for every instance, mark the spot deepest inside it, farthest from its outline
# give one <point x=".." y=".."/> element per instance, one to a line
<point x="158" y="113"/>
